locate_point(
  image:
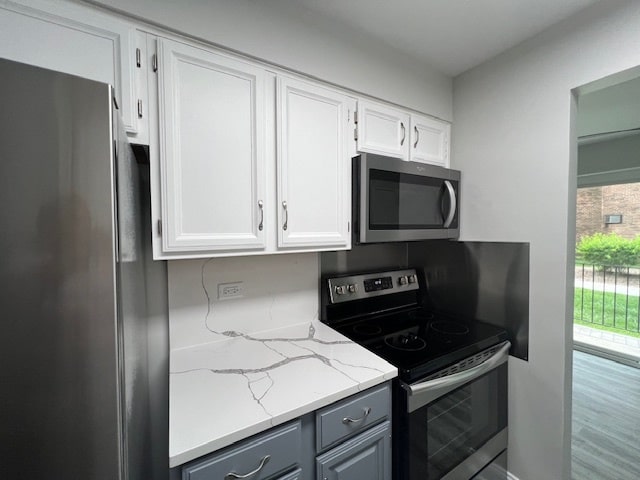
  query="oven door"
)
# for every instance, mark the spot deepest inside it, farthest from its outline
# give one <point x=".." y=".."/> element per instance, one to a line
<point x="403" y="201"/>
<point x="453" y="426"/>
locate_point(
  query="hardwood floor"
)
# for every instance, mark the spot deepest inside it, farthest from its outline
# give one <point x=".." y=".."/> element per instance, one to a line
<point x="606" y="419"/>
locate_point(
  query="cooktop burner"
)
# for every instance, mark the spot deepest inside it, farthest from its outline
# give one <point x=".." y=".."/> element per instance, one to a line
<point x="409" y="341"/>
<point x="367" y="330"/>
<point x="445" y="327"/>
<point x="382" y="313"/>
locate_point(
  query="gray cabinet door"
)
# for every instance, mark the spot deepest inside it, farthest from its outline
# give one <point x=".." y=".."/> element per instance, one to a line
<point x="367" y="456"/>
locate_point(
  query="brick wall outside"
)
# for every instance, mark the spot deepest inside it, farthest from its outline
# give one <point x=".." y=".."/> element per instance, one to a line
<point x="588" y="212"/>
<point x="593" y="203"/>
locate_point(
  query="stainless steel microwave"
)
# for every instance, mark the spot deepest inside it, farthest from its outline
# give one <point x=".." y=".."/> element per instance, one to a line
<point x="397" y="201"/>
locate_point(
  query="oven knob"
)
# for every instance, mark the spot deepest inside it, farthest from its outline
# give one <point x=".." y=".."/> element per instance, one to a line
<point x="341" y="289"/>
<point x="402" y="280"/>
<point x="352" y="288"/>
<point x="413" y="279"/>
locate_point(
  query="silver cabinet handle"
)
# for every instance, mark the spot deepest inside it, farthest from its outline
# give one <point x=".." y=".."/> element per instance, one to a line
<point x="404" y="133"/>
<point x="286" y="215"/>
<point x="233" y="475"/>
<point x="415" y="129"/>
<point x="452" y="205"/>
<point x="348" y="420"/>
<point x="261" y="207"/>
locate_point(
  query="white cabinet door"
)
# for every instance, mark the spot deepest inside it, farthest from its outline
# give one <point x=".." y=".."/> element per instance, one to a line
<point x="430" y="140"/>
<point x="212" y="135"/>
<point x="314" y="166"/>
<point x="383" y="130"/>
<point x="75" y="39"/>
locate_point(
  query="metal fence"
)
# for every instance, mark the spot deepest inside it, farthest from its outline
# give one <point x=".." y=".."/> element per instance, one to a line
<point x="607" y="295"/>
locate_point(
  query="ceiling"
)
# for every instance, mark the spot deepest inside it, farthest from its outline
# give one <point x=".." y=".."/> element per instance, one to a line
<point x="449" y="35"/>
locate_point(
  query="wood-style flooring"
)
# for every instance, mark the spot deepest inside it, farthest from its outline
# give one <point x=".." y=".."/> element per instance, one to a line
<point x="606" y="419"/>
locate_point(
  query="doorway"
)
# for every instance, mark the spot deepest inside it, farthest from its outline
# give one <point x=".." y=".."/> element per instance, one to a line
<point x="606" y="377"/>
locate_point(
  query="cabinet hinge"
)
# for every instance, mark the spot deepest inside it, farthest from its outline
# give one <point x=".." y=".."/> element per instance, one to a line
<point x="348" y="227"/>
<point x="355" y="117"/>
<point x="355" y="134"/>
<point x="159" y="227"/>
<point x="138" y="58"/>
<point x="139" y="108"/>
<point x="154" y="62"/>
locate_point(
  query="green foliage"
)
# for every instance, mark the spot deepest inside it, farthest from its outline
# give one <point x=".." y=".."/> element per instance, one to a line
<point x="609" y="250"/>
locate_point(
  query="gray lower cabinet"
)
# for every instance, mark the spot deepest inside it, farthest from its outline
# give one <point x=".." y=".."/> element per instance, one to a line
<point x="348" y="440"/>
<point x="367" y="456"/>
<point x="353" y="437"/>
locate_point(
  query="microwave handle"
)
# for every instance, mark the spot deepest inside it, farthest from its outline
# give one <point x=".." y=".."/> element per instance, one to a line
<point x="452" y="204"/>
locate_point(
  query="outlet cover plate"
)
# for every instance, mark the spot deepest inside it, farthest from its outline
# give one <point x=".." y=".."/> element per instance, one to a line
<point x="230" y="290"/>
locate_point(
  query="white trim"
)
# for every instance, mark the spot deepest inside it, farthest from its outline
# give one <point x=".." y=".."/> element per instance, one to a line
<point x="511" y="476"/>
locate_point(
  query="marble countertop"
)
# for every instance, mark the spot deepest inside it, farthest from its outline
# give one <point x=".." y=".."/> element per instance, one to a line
<point x="231" y="389"/>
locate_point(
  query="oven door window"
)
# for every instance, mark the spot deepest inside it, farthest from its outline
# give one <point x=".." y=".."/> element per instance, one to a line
<point x="399" y="201"/>
<point x="446" y="431"/>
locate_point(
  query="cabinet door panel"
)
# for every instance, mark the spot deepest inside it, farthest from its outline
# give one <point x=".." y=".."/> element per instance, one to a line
<point x="429" y="140"/>
<point x="366" y="456"/>
<point x="314" y="166"/>
<point x="73" y="39"/>
<point x="383" y="130"/>
<point x="212" y="148"/>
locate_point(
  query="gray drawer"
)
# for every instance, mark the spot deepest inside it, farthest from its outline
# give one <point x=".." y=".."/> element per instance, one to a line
<point x="339" y="421"/>
<point x="295" y="475"/>
<point x="281" y="444"/>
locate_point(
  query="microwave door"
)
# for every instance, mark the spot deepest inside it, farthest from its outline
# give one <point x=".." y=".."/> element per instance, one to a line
<point x="395" y="205"/>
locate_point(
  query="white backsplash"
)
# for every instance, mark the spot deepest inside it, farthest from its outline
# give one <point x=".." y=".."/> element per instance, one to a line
<point x="278" y="291"/>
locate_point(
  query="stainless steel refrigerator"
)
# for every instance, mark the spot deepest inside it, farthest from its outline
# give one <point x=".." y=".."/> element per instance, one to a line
<point x="83" y="328"/>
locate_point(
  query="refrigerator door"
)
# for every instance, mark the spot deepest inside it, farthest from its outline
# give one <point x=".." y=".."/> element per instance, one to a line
<point x="143" y="321"/>
<point x="60" y="407"/>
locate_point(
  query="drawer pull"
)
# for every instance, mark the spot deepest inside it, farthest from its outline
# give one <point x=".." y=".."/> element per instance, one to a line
<point x="348" y="420"/>
<point x="233" y="475"/>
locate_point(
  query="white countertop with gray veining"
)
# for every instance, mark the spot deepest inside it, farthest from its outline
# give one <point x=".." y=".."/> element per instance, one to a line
<point x="225" y="391"/>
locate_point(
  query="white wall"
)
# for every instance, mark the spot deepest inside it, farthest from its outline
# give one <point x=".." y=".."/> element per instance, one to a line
<point x="294" y="39"/>
<point x="517" y="150"/>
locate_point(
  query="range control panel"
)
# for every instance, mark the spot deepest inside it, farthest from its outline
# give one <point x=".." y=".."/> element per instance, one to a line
<point x="356" y="287"/>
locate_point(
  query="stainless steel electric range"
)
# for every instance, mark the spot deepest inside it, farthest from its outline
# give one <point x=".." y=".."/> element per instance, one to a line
<point x="450" y="397"/>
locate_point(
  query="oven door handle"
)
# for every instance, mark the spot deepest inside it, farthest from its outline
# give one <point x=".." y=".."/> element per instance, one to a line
<point x="427" y="391"/>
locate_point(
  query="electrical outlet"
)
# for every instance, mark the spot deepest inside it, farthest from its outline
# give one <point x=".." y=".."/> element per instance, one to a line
<point x="230" y="290"/>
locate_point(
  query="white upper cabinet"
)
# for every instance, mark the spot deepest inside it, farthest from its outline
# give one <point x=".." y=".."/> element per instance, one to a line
<point x="75" y="39"/>
<point x="212" y="145"/>
<point x="383" y="130"/>
<point x="248" y="162"/>
<point x="314" y="165"/>
<point x="394" y="132"/>
<point x="429" y="140"/>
